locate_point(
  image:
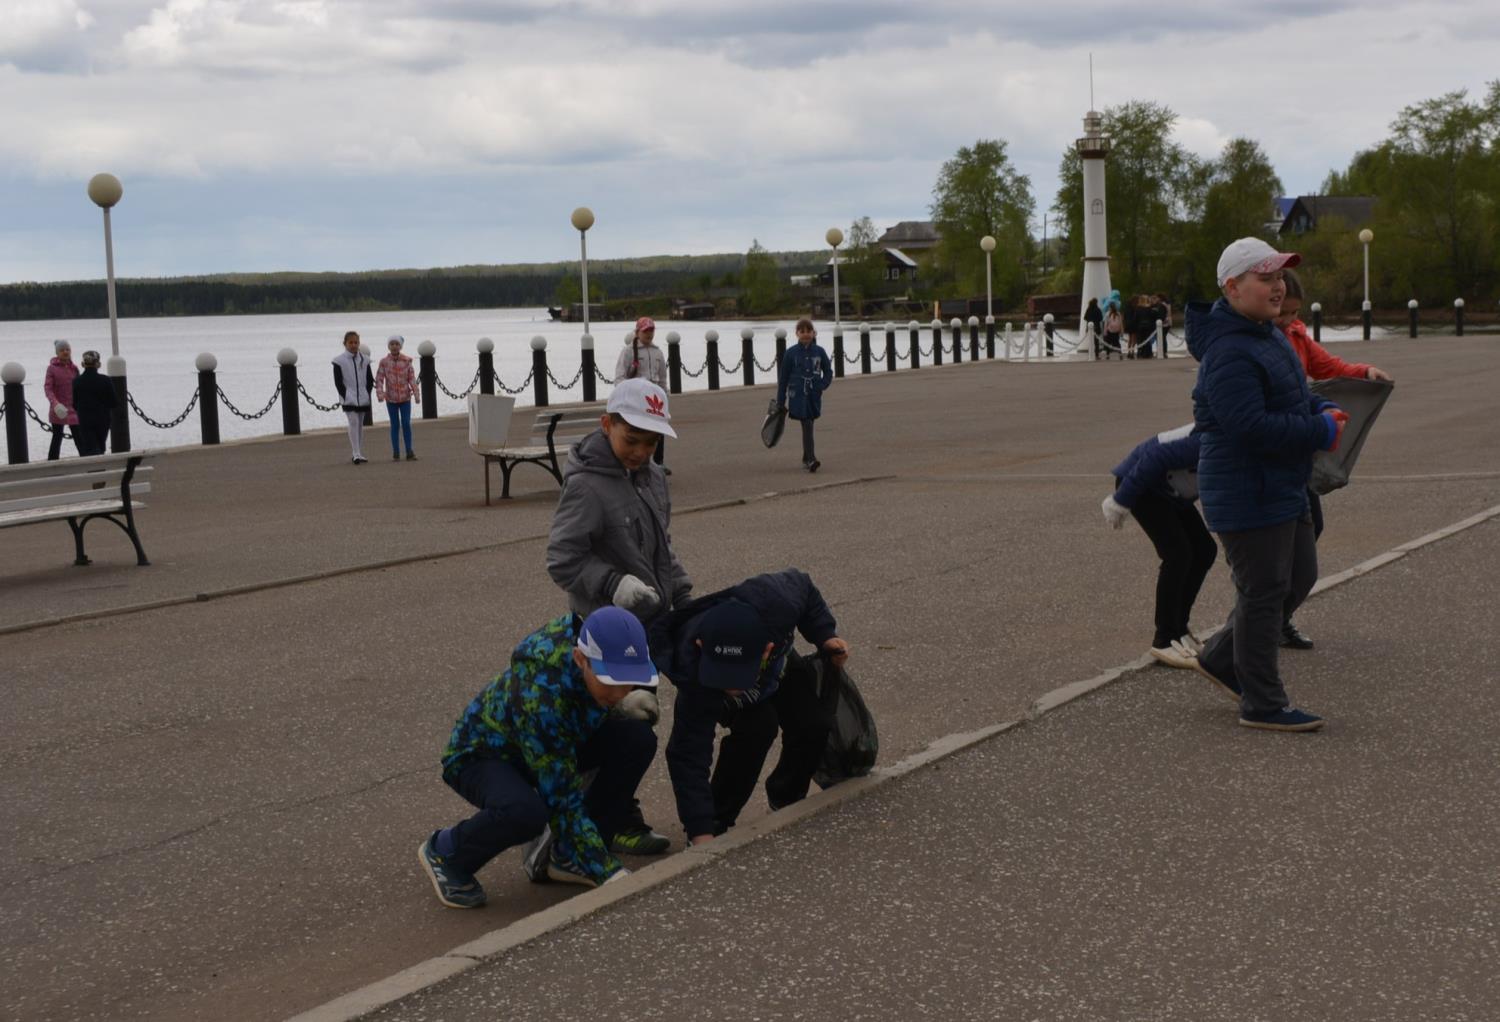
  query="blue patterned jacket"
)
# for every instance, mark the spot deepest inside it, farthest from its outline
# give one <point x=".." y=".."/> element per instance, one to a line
<point x="535" y="716"/>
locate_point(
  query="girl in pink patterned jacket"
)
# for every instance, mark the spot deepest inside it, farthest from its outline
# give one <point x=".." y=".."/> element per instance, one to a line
<point x="396" y="385"/>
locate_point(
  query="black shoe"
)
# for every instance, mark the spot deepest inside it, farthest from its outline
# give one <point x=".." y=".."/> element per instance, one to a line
<point x="410" y="456"/>
<point x="1291" y="638"/>
<point x="396" y="456"/>
<point x="814" y="465"/>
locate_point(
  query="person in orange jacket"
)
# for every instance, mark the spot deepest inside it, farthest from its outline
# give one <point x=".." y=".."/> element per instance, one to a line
<point x="1319" y="364"/>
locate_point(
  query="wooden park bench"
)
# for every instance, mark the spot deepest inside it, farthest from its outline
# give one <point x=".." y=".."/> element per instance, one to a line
<point x="553" y="431"/>
<point x="77" y="490"/>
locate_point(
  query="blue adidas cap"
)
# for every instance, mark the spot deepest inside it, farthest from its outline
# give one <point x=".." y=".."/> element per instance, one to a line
<point x="615" y="643"/>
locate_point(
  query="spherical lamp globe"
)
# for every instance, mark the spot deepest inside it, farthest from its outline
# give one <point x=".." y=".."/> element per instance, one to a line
<point x="987" y="243"/>
<point x="835" y="237"/>
<point x="1366" y="236"/>
<point x="105" y="190"/>
<point x="583" y="218"/>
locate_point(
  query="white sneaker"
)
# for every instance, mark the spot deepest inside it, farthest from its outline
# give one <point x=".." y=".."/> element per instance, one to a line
<point x="1174" y="656"/>
<point x="1190" y="642"/>
<point x="536" y="855"/>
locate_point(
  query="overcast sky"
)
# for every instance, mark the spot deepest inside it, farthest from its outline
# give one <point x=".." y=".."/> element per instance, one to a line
<point x="328" y="135"/>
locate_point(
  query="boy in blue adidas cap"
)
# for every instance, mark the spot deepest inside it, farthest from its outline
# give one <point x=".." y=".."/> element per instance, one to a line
<point x="553" y="748"/>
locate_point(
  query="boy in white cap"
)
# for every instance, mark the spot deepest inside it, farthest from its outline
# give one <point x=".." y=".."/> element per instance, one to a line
<point x="611" y="541"/>
<point x="524" y="749"/>
<point x="1260" y="425"/>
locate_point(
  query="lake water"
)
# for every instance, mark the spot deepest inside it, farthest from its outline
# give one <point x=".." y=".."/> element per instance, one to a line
<point x="160" y="356"/>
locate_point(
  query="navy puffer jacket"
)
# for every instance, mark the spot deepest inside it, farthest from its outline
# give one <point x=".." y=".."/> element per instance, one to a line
<point x="1259" y="422"/>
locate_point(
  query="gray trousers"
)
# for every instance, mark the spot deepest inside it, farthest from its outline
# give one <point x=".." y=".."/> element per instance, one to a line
<point x="1273" y="569"/>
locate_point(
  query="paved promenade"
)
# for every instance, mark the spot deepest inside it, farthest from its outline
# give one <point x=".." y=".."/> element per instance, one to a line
<point x="211" y="808"/>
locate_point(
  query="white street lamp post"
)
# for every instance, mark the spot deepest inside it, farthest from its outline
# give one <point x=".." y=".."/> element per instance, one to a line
<point x="835" y="238"/>
<point x="583" y="219"/>
<point x="105" y="190"/>
<point x="1365" y="237"/>
<point x="988" y="244"/>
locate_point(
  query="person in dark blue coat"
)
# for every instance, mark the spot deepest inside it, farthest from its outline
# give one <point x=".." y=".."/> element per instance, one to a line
<point x="804" y="374"/>
<point x="1152" y="484"/>
<point x="726" y="654"/>
<point x="1260" y="426"/>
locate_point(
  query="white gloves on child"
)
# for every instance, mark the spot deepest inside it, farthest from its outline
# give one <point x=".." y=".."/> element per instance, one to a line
<point x="1115" y="513"/>
<point x="636" y="596"/>
<point x="639" y="704"/>
<point x="60" y="410"/>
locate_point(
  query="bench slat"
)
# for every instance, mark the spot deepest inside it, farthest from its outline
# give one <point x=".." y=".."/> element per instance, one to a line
<point x="67" y="466"/>
<point x="108" y="477"/>
<point x="9" y="518"/>
<point x="74" y="497"/>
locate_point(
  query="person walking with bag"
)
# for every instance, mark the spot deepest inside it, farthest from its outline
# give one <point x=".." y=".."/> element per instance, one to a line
<point x="396" y="385"/>
<point x="58" y="386"/>
<point x="804" y="374"/>
<point x="641" y="359"/>
<point x="355" y="383"/>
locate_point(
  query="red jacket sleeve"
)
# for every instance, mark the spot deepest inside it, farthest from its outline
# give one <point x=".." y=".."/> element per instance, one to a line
<point x="1316" y="360"/>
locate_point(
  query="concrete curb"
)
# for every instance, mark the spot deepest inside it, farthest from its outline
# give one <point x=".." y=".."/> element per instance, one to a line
<point x="435" y="555"/>
<point x="383" y="992"/>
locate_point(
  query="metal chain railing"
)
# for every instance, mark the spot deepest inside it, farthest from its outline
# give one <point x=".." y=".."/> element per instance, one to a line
<point x="314" y="401"/>
<point x="275" y="394"/>
<point x="766" y="368"/>
<point x="852" y="359"/>
<point x="560" y="386"/>
<point x="600" y="373"/>
<point x="148" y="420"/>
<point x="701" y="370"/>
<point x="46" y="426"/>
<point x="457" y="397"/>
<point x="731" y="370"/>
<point x="524" y="383"/>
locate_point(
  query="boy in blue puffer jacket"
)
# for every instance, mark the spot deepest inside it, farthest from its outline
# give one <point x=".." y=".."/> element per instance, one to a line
<point x="1147" y="485"/>
<point x="1260" y="426"/>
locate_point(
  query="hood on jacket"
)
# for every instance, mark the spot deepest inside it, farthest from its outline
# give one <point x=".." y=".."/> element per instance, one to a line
<point x="593" y="454"/>
<point x="1206" y="323"/>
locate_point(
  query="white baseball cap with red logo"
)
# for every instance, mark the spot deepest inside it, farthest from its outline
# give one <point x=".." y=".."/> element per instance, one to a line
<point x="1252" y="255"/>
<point x="642" y="404"/>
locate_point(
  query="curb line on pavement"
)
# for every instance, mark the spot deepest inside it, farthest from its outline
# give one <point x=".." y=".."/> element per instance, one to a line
<point x="396" y="562"/>
<point x="384" y="992"/>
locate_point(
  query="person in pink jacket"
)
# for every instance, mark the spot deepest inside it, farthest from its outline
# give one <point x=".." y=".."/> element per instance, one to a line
<point x="396" y="385"/>
<point x="58" y="386"/>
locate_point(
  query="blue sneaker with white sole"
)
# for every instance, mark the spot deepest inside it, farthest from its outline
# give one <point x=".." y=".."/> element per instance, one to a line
<point x="455" y="888"/>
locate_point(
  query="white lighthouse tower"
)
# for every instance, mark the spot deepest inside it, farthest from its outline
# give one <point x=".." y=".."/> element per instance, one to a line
<point x="1093" y="147"/>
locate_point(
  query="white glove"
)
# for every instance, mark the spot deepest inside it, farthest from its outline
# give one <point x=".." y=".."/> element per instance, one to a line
<point x="618" y="874"/>
<point x="60" y="410"/>
<point x="1115" y="513"/>
<point x="636" y="596"/>
<point x="639" y="704"/>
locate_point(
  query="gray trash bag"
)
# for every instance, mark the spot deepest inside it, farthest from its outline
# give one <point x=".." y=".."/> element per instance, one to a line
<point x="1362" y="399"/>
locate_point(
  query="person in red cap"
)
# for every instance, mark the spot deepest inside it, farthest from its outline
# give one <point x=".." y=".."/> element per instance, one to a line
<point x="1260" y="426"/>
<point x="643" y="360"/>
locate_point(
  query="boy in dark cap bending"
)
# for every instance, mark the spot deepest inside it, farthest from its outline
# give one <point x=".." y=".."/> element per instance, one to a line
<point x="726" y="654"/>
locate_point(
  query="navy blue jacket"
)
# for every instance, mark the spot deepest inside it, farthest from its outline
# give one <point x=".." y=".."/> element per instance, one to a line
<point x="804" y="374"/>
<point x="1145" y="468"/>
<point x="787" y="601"/>
<point x="1259" y="421"/>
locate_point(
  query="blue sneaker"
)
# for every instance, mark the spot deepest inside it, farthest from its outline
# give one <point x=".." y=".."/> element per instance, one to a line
<point x="1227" y="686"/>
<point x="454" y="889"/>
<point x="1288" y="718"/>
<point x="567" y="873"/>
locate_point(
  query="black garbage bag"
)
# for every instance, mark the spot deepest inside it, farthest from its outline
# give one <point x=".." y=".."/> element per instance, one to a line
<point x="774" y="426"/>
<point x="1362" y="399"/>
<point x="853" y="742"/>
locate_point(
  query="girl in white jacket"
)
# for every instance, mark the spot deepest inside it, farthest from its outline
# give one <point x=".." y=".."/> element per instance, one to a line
<point x="642" y="359"/>
<point x="355" y="383"/>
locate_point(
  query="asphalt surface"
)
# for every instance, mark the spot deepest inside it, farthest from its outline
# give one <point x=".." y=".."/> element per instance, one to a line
<point x="211" y="808"/>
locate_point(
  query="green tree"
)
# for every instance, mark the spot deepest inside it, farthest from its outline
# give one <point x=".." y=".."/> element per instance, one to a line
<point x="760" y="284"/>
<point x="863" y="269"/>
<point x="1226" y="198"/>
<point x="979" y="192"/>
